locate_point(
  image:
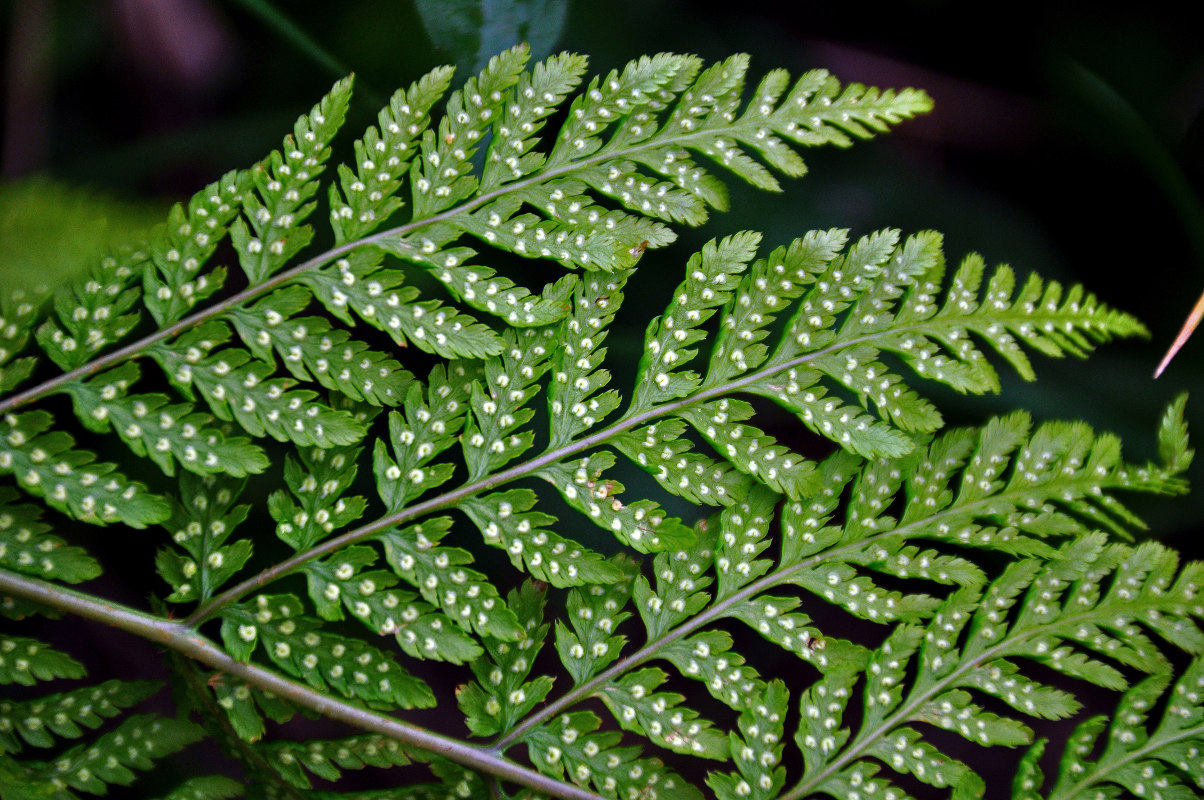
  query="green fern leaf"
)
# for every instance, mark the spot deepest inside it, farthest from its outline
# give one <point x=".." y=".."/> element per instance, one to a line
<point x="245" y="706"/>
<point x="312" y="349"/>
<point x="757" y="748"/>
<point x="239" y="388"/>
<point x="25" y="661"/>
<point x="267" y="235"/>
<point x="341" y="582"/>
<point x="329" y="662"/>
<point x="27" y="547"/>
<point x="425" y="430"/>
<point x="1136" y="755"/>
<point x="328" y="759"/>
<point x="172" y="281"/>
<point x="358" y="283"/>
<point x="201" y="522"/>
<point x="573" y="393"/>
<point x="18" y="314"/>
<point x="94" y="311"/>
<point x="463" y="594"/>
<point x="135" y="744"/>
<point x="482" y="288"/>
<point x="70" y="480"/>
<point x="368" y="195"/>
<point x="506" y="521"/>
<point x="502" y="694"/>
<point x="572" y="746"/>
<point x="38" y="722"/>
<point x="660" y="716"/>
<point x="169" y="434"/>
<point x="210" y="787"/>
<point x="489" y="439"/>
<point x="641" y="525"/>
<point x="317" y="481"/>
<point x="590" y="641"/>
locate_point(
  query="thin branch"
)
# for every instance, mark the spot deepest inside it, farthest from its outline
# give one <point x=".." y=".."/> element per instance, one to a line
<point x="182" y="639"/>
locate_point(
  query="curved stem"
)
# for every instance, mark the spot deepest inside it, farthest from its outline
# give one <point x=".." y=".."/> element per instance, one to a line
<point x="182" y="639"/>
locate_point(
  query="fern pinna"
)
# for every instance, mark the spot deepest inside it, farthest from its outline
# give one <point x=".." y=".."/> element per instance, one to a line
<point x="916" y="583"/>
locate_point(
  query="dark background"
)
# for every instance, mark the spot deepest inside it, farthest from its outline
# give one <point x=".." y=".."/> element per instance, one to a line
<point x="1067" y="139"/>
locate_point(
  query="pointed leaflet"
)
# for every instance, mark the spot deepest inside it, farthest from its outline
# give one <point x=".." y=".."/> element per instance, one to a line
<point x="490" y="440"/>
<point x="202" y="520"/>
<point x="661" y="717"/>
<point x="359" y="283"/>
<point x="19" y="310"/>
<point x="482" y="288"/>
<point x="246" y="706"/>
<point x="93" y="312"/>
<point x="502" y="695"/>
<point x="1136" y="755"/>
<point x="136" y="743"/>
<point x="268" y="234"/>
<point x="590" y="641"/>
<point x="709" y="283"/>
<point x="71" y="481"/>
<point x="298" y="645"/>
<point x="312" y="349"/>
<point x="662" y="451"/>
<point x="423" y="429"/>
<point x="316" y="508"/>
<point x="572" y="746"/>
<point x="341" y="582"/>
<point x="368" y="194"/>
<point x="681" y="580"/>
<point x="442" y="176"/>
<point x="751" y="450"/>
<point x="640" y="525"/>
<point x="329" y="758"/>
<point x="239" y="388"/>
<point x="536" y="95"/>
<point x="27" y="547"/>
<point x="574" y="401"/>
<point x="172" y="281"/>
<point x="38" y="722"/>
<point x="757" y="748"/>
<point x="25" y="661"/>
<point x="506" y="521"/>
<point x="169" y="434"/>
<point x="438" y="572"/>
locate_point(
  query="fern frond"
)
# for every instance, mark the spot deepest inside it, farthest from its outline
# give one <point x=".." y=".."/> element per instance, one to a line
<point x="18" y="316"/>
<point x="979" y="560"/>
<point x="1140" y="755"/>
<point x="972" y="643"/>
<point x="329" y="759"/>
<point x="211" y="787"/>
<point x="202" y="520"/>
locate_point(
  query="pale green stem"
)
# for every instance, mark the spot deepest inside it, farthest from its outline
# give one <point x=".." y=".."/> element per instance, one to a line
<point x="183" y="639"/>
